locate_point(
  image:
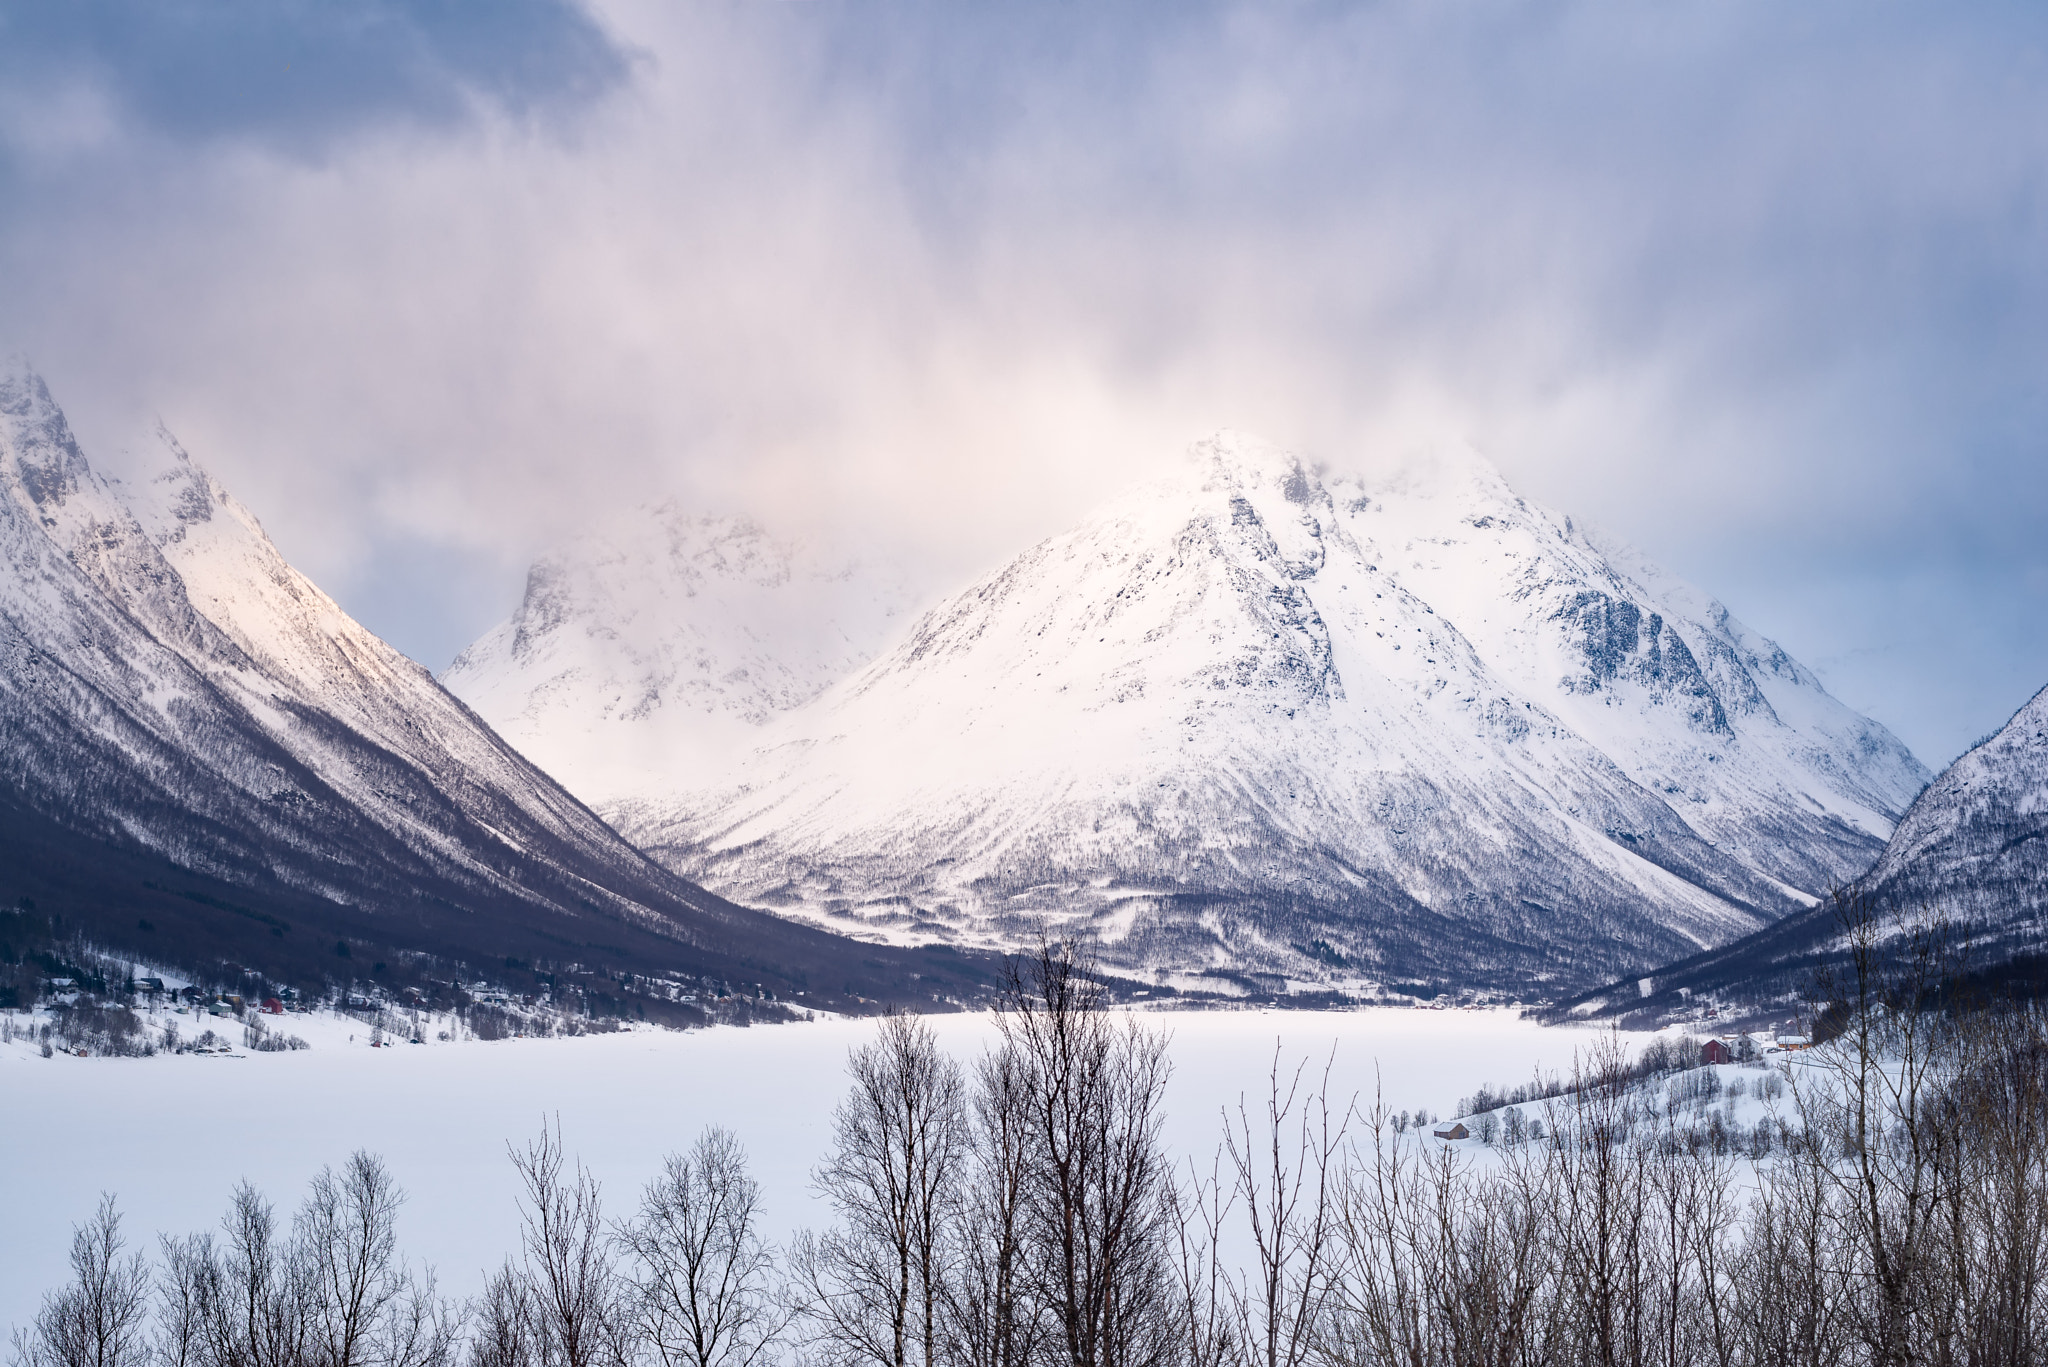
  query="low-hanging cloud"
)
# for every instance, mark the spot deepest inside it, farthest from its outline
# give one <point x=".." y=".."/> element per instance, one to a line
<point x="1760" y="287"/>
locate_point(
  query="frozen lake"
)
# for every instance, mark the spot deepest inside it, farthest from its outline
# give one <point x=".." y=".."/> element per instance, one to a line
<point x="171" y="1135"/>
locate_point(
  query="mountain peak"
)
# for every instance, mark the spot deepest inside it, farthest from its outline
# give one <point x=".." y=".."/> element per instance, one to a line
<point x="1247" y="464"/>
<point x="666" y="639"/>
<point x="181" y="493"/>
<point x="1447" y="472"/>
<point x="42" y="457"/>
<point x="1404" y="714"/>
<point x="1242" y="454"/>
<point x="1453" y="471"/>
<point x="23" y="395"/>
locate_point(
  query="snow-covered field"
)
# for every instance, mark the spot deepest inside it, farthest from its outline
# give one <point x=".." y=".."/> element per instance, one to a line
<point x="171" y="1135"/>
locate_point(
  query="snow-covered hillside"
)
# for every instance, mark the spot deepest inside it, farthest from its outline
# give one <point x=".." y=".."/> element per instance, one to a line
<point x="159" y="627"/>
<point x="1260" y="718"/>
<point x="649" y="654"/>
<point x="1970" y="855"/>
<point x="171" y="689"/>
<point x="1975" y="845"/>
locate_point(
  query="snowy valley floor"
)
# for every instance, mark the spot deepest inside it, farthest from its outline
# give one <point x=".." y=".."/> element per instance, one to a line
<point x="171" y="1135"/>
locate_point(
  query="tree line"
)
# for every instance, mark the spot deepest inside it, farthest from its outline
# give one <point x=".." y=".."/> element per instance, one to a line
<point x="1022" y="1211"/>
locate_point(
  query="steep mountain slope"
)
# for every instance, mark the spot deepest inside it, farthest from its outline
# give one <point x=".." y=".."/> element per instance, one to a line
<point x="1257" y="719"/>
<point x="174" y="693"/>
<point x="656" y="649"/>
<point x="1975" y="844"/>
<point x="1970" y="853"/>
<point x="1718" y="721"/>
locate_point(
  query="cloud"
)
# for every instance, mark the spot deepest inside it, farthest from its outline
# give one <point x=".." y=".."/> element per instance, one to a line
<point x="1759" y="287"/>
<point x="297" y="74"/>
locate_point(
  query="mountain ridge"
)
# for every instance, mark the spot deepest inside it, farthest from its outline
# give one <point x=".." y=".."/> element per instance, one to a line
<point x="1966" y="867"/>
<point x="174" y="689"/>
<point x="648" y="643"/>
<point x="1239" y="721"/>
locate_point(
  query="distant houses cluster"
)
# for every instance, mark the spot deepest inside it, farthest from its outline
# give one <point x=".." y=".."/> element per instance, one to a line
<point x="1662" y="1058"/>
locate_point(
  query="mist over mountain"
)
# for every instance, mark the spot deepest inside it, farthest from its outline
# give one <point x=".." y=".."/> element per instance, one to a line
<point x="661" y="644"/>
<point x="1261" y="722"/>
<point x="192" y="727"/>
<point x="1270" y="719"/>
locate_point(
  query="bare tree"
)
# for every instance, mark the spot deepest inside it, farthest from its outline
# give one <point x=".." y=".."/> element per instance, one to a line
<point x="1866" y="1129"/>
<point x="703" y="1290"/>
<point x="1994" y="1209"/>
<point x="507" y="1332"/>
<point x="1284" y="1178"/>
<point x="1441" y="1267"/>
<point x="1685" y="1248"/>
<point x="1197" y="1211"/>
<point x="99" y="1320"/>
<point x="1793" y="1303"/>
<point x="180" y="1304"/>
<point x="992" y="1318"/>
<point x="874" y="1285"/>
<point x="1096" y="1199"/>
<point x="253" y="1291"/>
<point x="366" y="1309"/>
<point x="1606" y="1277"/>
<point x="572" y="1286"/>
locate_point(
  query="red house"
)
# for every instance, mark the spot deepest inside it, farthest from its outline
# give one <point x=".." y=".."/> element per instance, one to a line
<point x="272" y="1007"/>
<point x="1716" y="1052"/>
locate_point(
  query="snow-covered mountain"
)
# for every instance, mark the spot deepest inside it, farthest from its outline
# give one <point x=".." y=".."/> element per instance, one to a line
<point x="1265" y="719"/>
<point x="172" y="690"/>
<point x="1975" y="844"/>
<point x="650" y="653"/>
<point x="1971" y="853"/>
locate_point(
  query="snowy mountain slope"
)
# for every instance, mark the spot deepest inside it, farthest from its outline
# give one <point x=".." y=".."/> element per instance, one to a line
<point x="653" y="651"/>
<point x="1975" y="844"/>
<point x="1971" y="852"/>
<point x="1255" y="719"/>
<point x="1764" y="762"/>
<point x="173" y="688"/>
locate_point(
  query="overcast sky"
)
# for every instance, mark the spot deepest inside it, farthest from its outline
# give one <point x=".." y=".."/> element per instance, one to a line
<point x="1762" y="287"/>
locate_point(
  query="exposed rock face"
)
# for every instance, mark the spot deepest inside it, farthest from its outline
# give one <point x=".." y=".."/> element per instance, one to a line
<point x="1264" y="718"/>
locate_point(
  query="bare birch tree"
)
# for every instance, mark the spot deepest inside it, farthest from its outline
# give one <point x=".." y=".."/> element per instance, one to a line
<point x="874" y="1285"/>
<point x="702" y="1289"/>
<point x="1097" y="1197"/>
<point x="993" y="1318"/>
<point x="101" y="1318"/>
<point x="506" y="1332"/>
<point x="252" y="1290"/>
<point x="1197" y="1211"/>
<point x="366" y="1309"/>
<point x="572" y="1285"/>
<point x="1284" y="1180"/>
